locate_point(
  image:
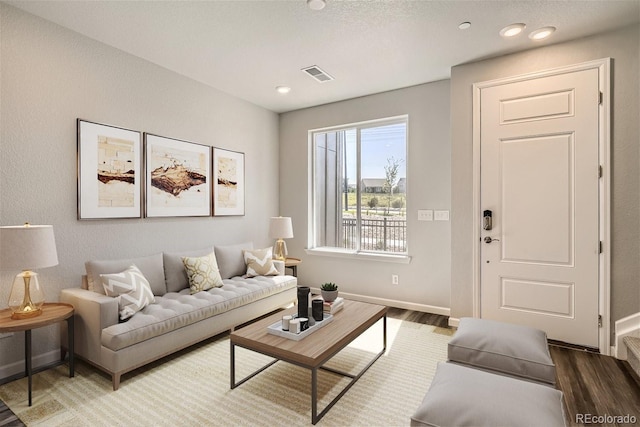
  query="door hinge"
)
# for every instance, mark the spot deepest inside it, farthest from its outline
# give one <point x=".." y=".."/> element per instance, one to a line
<point x="600" y="246"/>
<point x="599" y="320"/>
<point x="600" y="98"/>
<point x="599" y="171"/>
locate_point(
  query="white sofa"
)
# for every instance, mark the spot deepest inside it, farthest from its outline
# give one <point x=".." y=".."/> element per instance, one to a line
<point x="176" y="319"/>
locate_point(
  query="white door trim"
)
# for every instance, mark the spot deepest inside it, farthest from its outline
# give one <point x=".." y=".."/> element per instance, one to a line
<point x="604" y="280"/>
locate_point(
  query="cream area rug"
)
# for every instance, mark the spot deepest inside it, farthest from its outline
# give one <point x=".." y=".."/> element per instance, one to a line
<point x="191" y="388"/>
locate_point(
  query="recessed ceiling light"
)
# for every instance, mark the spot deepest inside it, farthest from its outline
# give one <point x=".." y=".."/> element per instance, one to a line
<point x="283" y="89"/>
<point x="512" y="30"/>
<point x="542" y="33"/>
<point x="464" y="25"/>
<point x="316" y="4"/>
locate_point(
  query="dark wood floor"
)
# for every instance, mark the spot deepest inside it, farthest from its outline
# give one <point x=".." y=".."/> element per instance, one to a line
<point x="592" y="383"/>
<point x="596" y="385"/>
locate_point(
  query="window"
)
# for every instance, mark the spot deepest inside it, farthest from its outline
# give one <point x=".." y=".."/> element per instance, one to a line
<point x="359" y="193"/>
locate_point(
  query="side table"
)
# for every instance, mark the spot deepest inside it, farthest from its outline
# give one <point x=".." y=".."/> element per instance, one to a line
<point x="51" y="313"/>
<point x="293" y="264"/>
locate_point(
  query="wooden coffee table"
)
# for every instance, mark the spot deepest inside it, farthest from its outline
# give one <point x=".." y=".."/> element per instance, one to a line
<point x="313" y="351"/>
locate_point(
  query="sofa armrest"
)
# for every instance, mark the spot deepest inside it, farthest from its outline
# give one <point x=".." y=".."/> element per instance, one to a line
<point x="93" y="313"/>
<point x="279" y="265"/>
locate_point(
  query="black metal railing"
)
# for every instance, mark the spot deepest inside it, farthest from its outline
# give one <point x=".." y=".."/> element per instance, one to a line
<point x="386" y="235"/>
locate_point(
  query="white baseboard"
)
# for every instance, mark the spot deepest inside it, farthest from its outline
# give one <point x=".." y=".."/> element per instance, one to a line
<point x="37" y="361"/>
<point x="444" y="311"/>
<point x="626" y="327"/>
<point x="454" y="322"/>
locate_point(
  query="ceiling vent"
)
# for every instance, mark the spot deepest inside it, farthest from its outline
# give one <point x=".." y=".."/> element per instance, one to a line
<point x="318" y="74"/>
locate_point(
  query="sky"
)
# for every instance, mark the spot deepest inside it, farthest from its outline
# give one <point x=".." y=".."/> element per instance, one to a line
<point x="378" y="145"/>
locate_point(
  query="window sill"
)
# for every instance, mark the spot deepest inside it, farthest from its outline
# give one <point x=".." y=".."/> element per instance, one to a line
<point x="364" y="256"/>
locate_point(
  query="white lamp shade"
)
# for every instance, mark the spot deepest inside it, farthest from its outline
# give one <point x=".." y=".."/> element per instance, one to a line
<point x="27" y="247"/>
<point x="280" y="228"/>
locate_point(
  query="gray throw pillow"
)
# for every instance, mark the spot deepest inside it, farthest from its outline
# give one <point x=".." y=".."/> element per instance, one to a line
<point x="174" y="272"/>
<point x="231" y="259"/>
<point x="150" y="266"/>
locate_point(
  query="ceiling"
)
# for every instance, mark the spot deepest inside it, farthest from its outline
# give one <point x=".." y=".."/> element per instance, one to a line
<point x="247" y="48"/>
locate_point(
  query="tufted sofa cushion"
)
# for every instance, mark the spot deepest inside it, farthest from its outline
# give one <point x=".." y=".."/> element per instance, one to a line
<point x="175" y="310"/>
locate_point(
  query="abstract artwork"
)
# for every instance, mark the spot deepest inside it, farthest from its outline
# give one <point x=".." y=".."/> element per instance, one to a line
<point x="109" y="171"/>
<point x="228" y="180"/>
<point x="177" y="177"/>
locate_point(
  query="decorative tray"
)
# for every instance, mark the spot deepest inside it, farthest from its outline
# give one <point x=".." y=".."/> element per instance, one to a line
<point x="276" y="329"/>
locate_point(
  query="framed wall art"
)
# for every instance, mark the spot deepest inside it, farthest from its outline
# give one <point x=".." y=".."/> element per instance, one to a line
<point x="228" y="181"/>
<point x="177" y="176"/>
<point x="109" y="171"/>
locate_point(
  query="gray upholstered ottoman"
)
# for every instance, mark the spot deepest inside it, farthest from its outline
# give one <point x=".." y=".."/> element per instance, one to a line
<point x="504" y="348"/>
<point x="462" y="396"/>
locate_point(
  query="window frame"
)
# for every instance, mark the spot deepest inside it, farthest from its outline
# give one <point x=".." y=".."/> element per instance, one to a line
<point x="334" y="251"/>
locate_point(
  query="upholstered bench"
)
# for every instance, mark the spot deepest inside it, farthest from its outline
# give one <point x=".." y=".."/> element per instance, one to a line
<point x="463" y="396"/>
<point x="503" y="348"/>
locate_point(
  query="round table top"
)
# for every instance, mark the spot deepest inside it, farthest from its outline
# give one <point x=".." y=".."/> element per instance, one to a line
<point x="52" y="312"/>
<point x="290" y="262"/>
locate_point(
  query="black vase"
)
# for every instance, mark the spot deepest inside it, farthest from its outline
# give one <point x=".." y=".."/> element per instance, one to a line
<point x="303" y="301"/>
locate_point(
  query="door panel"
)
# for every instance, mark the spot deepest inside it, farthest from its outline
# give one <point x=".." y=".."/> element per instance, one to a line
<point x="547" y="206"/>
<point x="539" y="176"/>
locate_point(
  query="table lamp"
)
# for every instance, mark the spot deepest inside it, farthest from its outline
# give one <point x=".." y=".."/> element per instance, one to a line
<point x="27" y="247"/>
<point x="280" y="228"/>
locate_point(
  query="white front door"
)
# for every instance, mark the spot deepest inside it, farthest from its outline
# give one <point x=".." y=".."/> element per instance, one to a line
<point x="539" y="178"/>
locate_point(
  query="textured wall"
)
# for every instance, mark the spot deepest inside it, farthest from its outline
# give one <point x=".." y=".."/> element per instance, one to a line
<point x="49" y="77"/>
<point x="622" y="46"/>
<point x="426" y="279"/>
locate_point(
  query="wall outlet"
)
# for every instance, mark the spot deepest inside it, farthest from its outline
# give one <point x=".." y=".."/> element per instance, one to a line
<point x="442" y="215"/>
<point x="425" y="215"/>
<point x="394" y="279"/>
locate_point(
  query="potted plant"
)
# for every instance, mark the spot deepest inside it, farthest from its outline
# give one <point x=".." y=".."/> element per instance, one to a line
<point x="329" y="291"/>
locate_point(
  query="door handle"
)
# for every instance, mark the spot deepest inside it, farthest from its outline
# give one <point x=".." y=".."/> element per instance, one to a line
<point x="489" y="240"/>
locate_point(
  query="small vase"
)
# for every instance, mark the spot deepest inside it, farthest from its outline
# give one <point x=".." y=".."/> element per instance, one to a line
<point x="303" y="301"/>
<point x="329" y="296"/>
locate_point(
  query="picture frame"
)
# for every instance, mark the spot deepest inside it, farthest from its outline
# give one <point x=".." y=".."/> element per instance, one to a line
<point x="229" y="183"/>
<point x="109" y="162"/>
<point x="177" y="177"/>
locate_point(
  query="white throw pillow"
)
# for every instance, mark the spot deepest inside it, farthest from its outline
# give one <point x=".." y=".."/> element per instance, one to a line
<point x="203" y="272"/>
<point x="130" y="288"/>
<point x="259" y="262"/>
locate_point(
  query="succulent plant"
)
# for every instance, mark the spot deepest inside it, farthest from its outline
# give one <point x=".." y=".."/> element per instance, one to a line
<point x="329" y="286"/>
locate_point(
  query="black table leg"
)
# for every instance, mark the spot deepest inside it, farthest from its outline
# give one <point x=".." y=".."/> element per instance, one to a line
<point x="27" y="358"/>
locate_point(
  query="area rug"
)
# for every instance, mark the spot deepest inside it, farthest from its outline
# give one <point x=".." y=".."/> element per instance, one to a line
<point x="191" y="388"/>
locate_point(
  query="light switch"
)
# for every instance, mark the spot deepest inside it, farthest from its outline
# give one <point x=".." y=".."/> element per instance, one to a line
<point x="425" y="215"/>
<point x="442" y="215"/>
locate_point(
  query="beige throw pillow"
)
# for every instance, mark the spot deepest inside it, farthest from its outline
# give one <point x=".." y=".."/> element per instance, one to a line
<point x="203" y="272"/>
<point x="259" y="262"/>
<point x="130" y="288"/>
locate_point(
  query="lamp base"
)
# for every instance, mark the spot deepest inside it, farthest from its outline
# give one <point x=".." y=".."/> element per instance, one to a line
<point x="280" y="250"/>
<point x="26" y="296"/>
<point x="26" y="314"/>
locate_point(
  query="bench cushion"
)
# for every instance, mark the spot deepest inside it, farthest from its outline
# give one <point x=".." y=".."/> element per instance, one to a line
<point x="505" y="348"/>
<point x="462" y="396"/>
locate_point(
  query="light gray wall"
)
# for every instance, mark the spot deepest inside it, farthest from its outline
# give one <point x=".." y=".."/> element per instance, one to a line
<point x="49" y="77"/>
<point x="623" y="47"/>
<point x="426" y="279"/>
